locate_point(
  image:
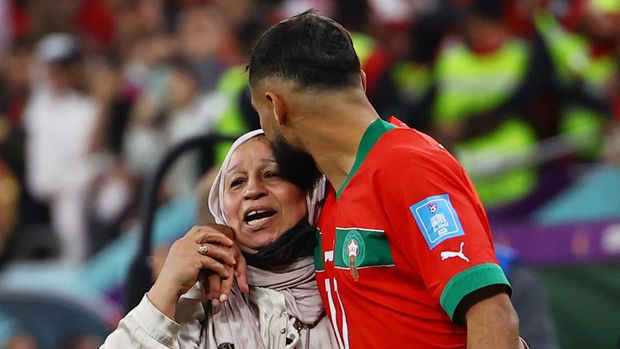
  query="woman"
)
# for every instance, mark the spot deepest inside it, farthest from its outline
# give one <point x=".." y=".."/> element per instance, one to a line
<point x="270" y="217"/>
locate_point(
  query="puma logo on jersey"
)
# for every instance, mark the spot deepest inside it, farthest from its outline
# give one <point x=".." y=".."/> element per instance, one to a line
<point x="449" y="254"/>
<point x="329" y="256"/>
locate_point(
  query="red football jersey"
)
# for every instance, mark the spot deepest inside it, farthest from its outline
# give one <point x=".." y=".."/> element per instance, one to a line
<point x="401" y="243"/>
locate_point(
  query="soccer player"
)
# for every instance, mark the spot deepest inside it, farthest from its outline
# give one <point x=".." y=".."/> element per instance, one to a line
<point x="405" y="255"/>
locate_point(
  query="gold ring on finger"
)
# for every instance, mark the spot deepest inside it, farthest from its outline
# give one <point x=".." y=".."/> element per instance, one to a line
<point x="203" y="248"/>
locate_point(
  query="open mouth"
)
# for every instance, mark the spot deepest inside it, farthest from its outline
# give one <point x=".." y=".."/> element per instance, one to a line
<point x="255" y="218"/>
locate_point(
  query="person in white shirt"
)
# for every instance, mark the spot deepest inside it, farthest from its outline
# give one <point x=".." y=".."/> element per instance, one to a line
<point x="272" y="223"/>
<point x="59" y="121"/>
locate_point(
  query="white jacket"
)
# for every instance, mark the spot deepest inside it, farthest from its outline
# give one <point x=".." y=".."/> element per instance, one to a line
<point x="146" y="327"/>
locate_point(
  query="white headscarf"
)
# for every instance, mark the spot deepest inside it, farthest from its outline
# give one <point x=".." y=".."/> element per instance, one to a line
<point x="216" y="195"/>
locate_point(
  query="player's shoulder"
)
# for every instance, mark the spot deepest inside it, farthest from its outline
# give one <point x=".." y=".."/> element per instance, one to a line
<point x="403" y="144"/>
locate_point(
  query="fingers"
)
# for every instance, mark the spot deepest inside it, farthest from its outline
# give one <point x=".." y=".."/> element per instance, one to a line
<point x="224" y="254"/>
<point x="213" y="283"/>
<point x="241" y="271"/>
<point x="217" y="238"/>
<point x="202" y="234"/>
<point x="209" y="263"/>
<point x="223" y="229"/>
<point x="225" y="288"/>
<point x="220" y="260"/>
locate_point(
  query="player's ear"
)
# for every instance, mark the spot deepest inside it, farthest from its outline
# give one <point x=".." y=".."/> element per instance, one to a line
<point x="279" y="107"/>
<point x="363" y="76"/>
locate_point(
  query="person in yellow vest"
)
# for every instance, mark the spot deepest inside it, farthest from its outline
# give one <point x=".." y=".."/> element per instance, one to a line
<point x="486" y="81"/>
<point x="408" y="88"/>
<point x="586" y="115"/>
<point x="581" y="64"/>
<point x="237" y="115"/>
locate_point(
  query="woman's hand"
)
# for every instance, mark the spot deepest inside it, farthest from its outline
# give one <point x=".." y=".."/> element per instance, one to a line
<point x="217" y="289"/>
<point x="185" y="264"/>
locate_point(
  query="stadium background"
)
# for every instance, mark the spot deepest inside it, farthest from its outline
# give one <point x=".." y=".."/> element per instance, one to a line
<point x="93" y="93"/>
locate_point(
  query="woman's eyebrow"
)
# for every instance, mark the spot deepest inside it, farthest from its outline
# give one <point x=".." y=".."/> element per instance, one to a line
<point x="265" y="160"/>
<point x="232" y="169"/>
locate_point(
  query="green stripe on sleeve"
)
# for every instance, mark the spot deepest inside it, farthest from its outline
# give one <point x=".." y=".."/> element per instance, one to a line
<point x="470" y="280"/>
<point x="319" y="265"/>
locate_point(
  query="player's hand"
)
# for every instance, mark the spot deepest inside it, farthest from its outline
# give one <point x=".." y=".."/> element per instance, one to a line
<point x="186" y="261"/>
<point x="217" y="289"/>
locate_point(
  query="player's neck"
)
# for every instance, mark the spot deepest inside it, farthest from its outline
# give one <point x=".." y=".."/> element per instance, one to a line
<point x="333" y="134"/>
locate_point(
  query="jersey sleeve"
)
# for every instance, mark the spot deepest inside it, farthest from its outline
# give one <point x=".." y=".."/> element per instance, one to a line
<point x="441" y="226"/>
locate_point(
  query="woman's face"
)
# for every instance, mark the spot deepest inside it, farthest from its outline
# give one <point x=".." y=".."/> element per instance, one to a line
<point x="259" y="205"/>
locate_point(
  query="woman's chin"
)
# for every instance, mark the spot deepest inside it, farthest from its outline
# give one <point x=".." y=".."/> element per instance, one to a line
<point x="256" y="242"/>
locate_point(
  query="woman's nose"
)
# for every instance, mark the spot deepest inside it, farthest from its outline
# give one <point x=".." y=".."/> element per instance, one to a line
<point x="254" y="190"/>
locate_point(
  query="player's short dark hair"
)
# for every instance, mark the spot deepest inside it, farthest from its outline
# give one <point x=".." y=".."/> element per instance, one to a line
<point x="311" y="50"/>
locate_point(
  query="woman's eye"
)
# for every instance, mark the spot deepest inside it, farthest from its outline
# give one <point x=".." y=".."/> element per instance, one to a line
<point x="236" y="182"/>
<point x="272" y="174"/>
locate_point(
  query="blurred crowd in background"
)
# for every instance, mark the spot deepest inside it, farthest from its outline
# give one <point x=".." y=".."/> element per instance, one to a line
<point x="94" y="92"/>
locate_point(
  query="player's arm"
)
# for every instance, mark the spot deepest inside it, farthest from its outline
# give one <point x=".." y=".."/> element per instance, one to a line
<point x="491" y="321"/>
<point x="459" y="266"/>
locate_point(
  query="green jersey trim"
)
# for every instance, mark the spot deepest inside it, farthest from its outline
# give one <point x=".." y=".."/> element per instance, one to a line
<point x="468" y="281"/>
<point x="370" y="137"/>
<point x="319" y="265"/>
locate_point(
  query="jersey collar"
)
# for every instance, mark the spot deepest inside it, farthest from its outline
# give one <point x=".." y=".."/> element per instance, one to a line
<point x="370" y="137"/>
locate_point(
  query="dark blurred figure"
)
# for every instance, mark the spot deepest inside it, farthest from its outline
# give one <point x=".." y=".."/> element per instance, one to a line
<point x="202" y="51"/>
<point x="581" y="40"/>
<point x="356" y="16"/>
<point x="115" y="188"/>
<point x="22" y="208"/>
<point x="592" y="91"/>
<point x="407" y="88"/>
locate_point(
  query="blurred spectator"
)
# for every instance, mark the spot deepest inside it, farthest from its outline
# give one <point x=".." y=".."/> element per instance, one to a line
<point x="199" y="49"/>
<point x="148" y="72"/>
<point x="486" y="80"/>
<point x="589" y="106"/>
<point x="407" y="88"/>
<point x="59" y="120"/>
<point x="355" y="15"/>
<point x="230" y="101"/>
<point x="14" y="81"/>
<point x="114" y="190"/>
<point x="94" y="20"/>
<point x="52" y="16"/>
<point x="19" y="23"/>
<point x="580" y="67"/>
<point x="14" y="90"/>
<point x="191" y="114"/>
